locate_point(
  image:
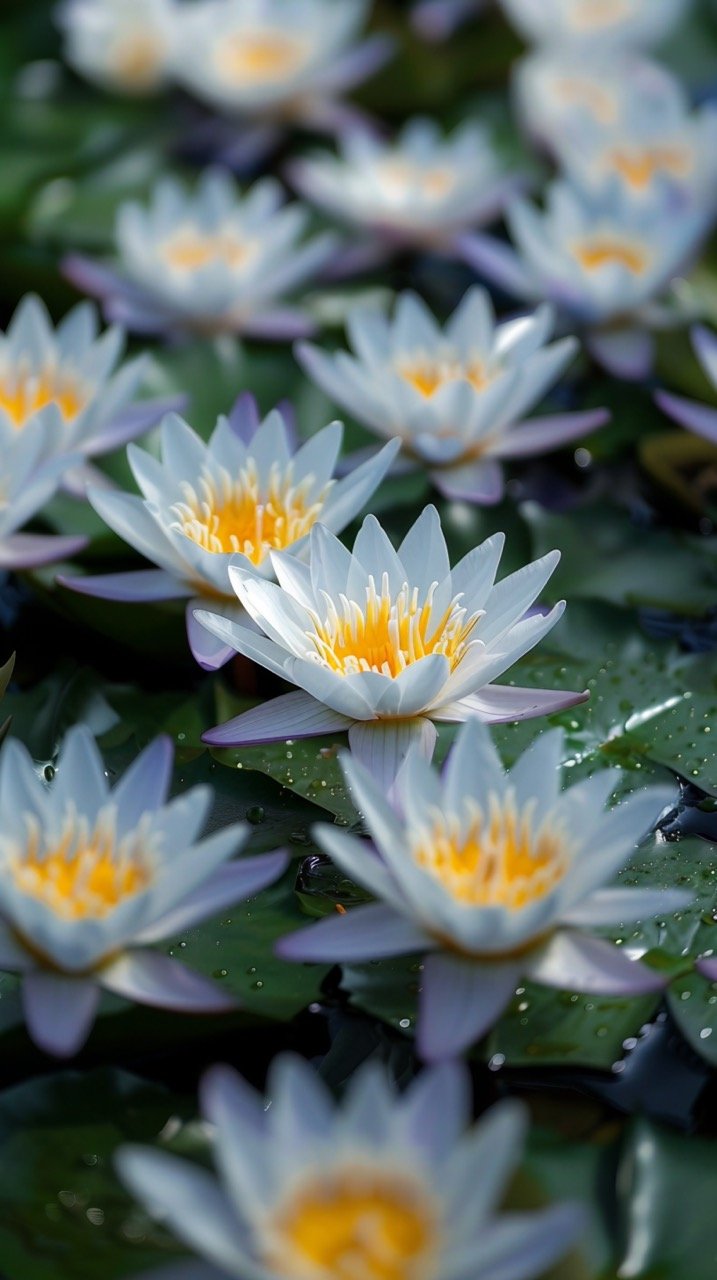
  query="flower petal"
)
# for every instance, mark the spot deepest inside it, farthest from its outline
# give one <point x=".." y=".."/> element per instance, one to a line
<point x="578" y="962"/>
<point x="292" y="715"/>
<point x="460" y="1001"/>
<point x="381" y="746"/>
<point x="363" y="933"/>
<point x="151" y="978"/>
<point x="59" y="1011"/>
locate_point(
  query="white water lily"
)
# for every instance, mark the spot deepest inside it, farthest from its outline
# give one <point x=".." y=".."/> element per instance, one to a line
<point x="605" y="262"/>
<point x="383" y="642"/>
<point x="126" y="46"/>
<point x="422" y="189"/>
<point x="246" y="492"/>
<point x="596" y="23"/>
<point x="497" y="876"/>
<point x="271" y="61"/>
<point x="213" y="260"/>
<point x="385" y="1186"/>
<point x="28" y="480"/>
<point x="92" y="877"/>
<point x="67" y="380"/>
<point x="456" y="397"/>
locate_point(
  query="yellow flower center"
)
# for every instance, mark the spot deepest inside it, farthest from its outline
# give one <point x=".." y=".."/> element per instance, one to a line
<point x="604" y="252"/>
<point x="85" y="874"/>
<point x="501" y="858"/>
<point x="429" y="373"/>
<point x="387" y="635"/>
<point x="599" y="13"/>
<point x="261" y="56"/>
<point x="137" y="61"/>
<point x="638" y="168"/>
<point x="354" y="1224"/>
<point x="24" y="392"/>
<point x="400" y="178"/>
<point x="224" y="514"/>
<point x="191" y="250"/>
<point x="587" y="94"/>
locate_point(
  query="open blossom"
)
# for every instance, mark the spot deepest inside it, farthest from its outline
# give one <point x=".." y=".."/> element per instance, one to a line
<point x="246" y="492"/>
<point x="28" y="479"/>
<point x="383" y="642"/>
<point x="125" y="46"/>
<point x="271" y="61"/>
<point x="92" y="877"/>
<point x="699" y="418"/>
<point x="373" y="1189"/>
<point x="596" y="24"/>
<point x="67" y="380"/>
<point x="420" y="190"/>
<point x="605" y="262"/>
<point x="497" y="876"/>
<point x="457" y="397"/>
<point x="210" y="261"/>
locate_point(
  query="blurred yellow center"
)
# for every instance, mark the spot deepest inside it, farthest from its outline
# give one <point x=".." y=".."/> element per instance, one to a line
<point x="261" y="56"/>
<point x="399" y="177"/>
<point x="599" y="13"/>
<point x="86" y="874"/>
<point x="638" y="168"/>
<point x="190" y="250"/>
<point x="389" y="633"/>
<point x="137" y="61"/>
<point x="233" y="514"/>
<point x="587" y="94"/>
<point x="25" y="392"/>
<point x="594" y="254"/>
<point x="501" y="858"/>
<point x="428" y="374"/>
<point x="355" y="1224"/>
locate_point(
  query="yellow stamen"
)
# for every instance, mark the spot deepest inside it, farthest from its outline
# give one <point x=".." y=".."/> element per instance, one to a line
<point x="24" y="392"/>
<point x="354" y="1224"/>
<point x="261" y="56"/>
<point x="501" y="858"/>
<point x="429" y="373"/>
<point x="190" y="250"/>
<point x="86" y="873"/>
<point x="137" y="60"/>
<point x="225" y="514"/>
<point x="638" y="168"/>
<point x="594" y="254"/>
<point x="387" y="635"/>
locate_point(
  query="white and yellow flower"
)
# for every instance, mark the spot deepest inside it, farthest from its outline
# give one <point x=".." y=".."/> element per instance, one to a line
<point x="211" y="261"/>
<point x="456" y="397"/>
<point x="232" y="501"/>
<point x="422" y="189"/>
<point x="126" y="46"/>
<point x="271" y="61"/>
<point x="383" y="642"/>
<point x="28" y="479"/>
<point x="91" y="878"/>
<point x="596" y="24"/>
<point x="386" y="1186"/>
<point x="497" y="877"/>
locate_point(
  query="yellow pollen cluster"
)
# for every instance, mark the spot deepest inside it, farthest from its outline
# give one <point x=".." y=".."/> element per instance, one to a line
<point x="429" y="373"/>
<point x="354" y="1224"/>
<point x="190" y="250"/>
<point x="261" y="56"/>
<point x="24" y="392"/>
<point x="499" y="859"/>
<point x="638" y="168"/>
<point x="599" y="13"/>
<point x="230" y="515"/>
<point x="386" y="635"/>
<point x="594" y="254"/>
<point x="85" y="875"/>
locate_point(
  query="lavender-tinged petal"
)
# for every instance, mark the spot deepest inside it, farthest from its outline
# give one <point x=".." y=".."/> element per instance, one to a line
<point x="628" y="354"/>
<point x="280" y="325"/>
<point x="520" y="1246"/>
<point x="362" y="934"/>
<point x="497" y="262"/>
<point x="707" y="966"/>
<point x="460" y="1001"/>
<point x="480" y="481"/>
<point x="292" y="715"/>
<point x="542" y="434"/>
<point x="59" y="1011"/>
<point x="90" y="277"/>
<point x="704" y="342"/>
<point x="144" y="786"/>
<point x="696" y="417"/>
<point x="618" y="906"/>
<point x="233" y="883"/>
<point x="142" y="584"/>
<point x="27" y="550"/>
<point x="501" y="704"/>
<point x="381" y="746"/>
<point x="134" y="421"/>
<point x="579" y="962"/>
<point x="244" y="417"/>
<point x="208" y="650"/>
<point x="249" y="643"/>
<point x="76" y="480"/>
<point x="149" y="977"/>
<point x="356" y="65"/>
